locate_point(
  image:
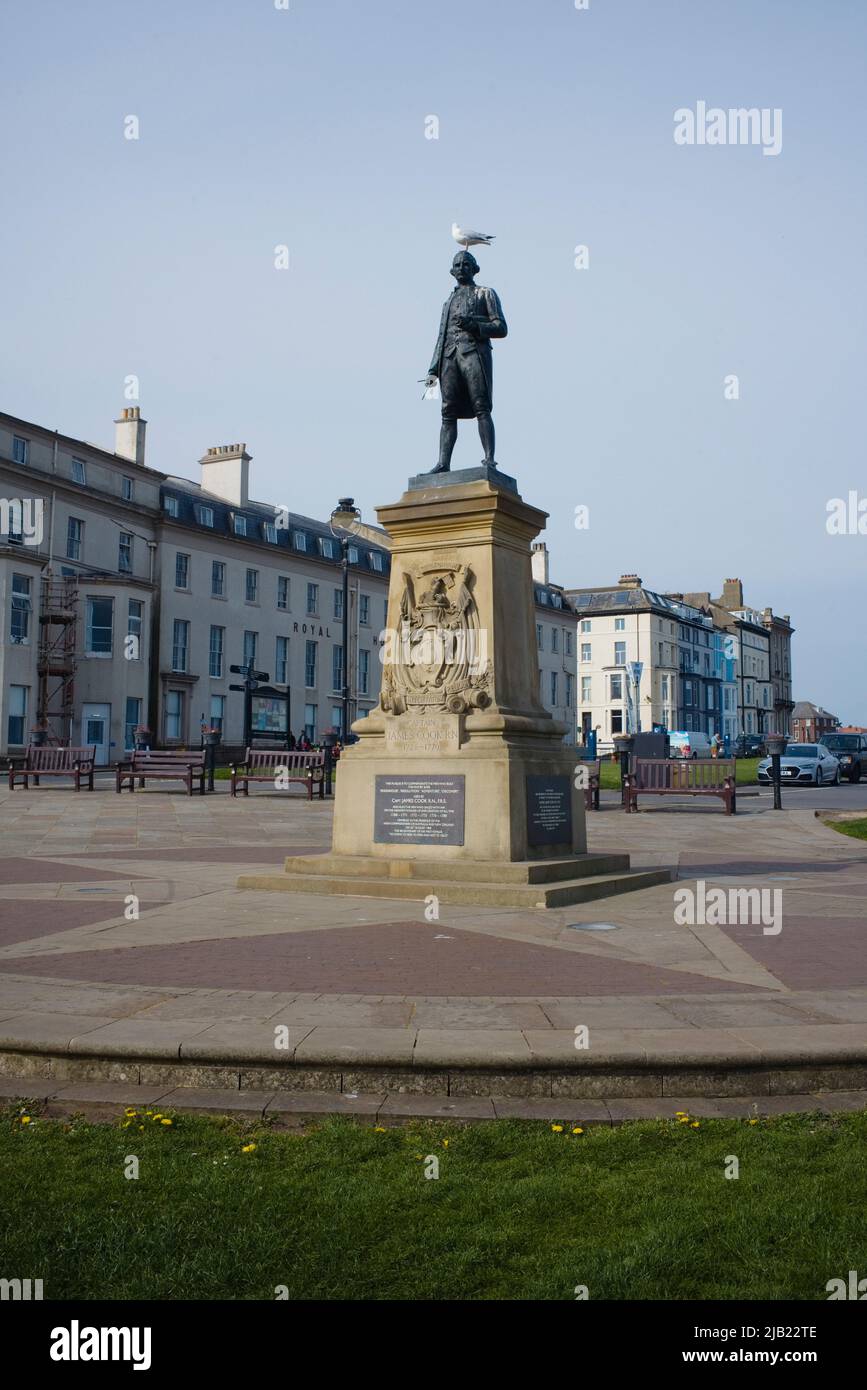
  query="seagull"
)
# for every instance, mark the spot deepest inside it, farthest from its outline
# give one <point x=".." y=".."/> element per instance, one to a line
<point x="468" y="239"/>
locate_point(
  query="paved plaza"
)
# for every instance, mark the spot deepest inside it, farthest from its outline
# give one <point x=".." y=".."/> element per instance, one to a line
<point x="196" y="986"/>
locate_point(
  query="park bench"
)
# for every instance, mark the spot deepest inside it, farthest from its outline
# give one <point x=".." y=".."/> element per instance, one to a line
<point x="266" y="765"/>
<point x="41" y="761"/>
<point x="176" y="764"/>
<point x="681" y="777"/>
<point x="591" y="791"/>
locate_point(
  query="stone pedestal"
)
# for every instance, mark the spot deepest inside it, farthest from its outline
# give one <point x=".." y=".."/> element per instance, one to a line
<point x="460" y="784"/>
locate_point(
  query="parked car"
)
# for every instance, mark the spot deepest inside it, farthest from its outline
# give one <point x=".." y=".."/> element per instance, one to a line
<point x="851" y="750"/>
<point x="804" y="762"/>
<point x="685" y="743"/>
<point x="750" y="746"/>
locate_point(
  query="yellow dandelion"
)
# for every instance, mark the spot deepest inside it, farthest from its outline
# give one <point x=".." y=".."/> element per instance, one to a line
<point x="25" y="1119"/>
<point x="683" y="1119"/>
<point x="695" y="1125"/>
<point x="753" y="1122"/>
<point x="131" y="1113"/>
<point x="577" y="1130"/>
<point x="248" y="1148"/>
<point x="379" y="1129"/>
<point x="445" y="1143"/>
<point x="165" y="1122"/>
<point x="558" y="1129"/>
<point x="679" y="1114"/>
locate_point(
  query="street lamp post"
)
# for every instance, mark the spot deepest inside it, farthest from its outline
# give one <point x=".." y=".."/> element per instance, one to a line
<point x="342" y="517"/>
<point x="775" y="744"/>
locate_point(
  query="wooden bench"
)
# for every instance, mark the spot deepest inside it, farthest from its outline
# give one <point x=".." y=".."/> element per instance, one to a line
<point x="41" y="761"/>
<point x="266" y="765"/>
<point x="682" y="777"/>
<point x="591" y="791"/>
<point x="175" y="764"/>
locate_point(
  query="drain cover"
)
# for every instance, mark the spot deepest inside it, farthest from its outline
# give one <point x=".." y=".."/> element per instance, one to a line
<point x="592" y="926"/>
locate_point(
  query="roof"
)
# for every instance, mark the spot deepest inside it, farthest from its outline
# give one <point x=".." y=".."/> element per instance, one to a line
<point x="293" y="532"/>
<point x="620" y="599"/>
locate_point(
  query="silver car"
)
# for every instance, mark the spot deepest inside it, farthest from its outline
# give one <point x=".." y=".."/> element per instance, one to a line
<point x="803" y="762"/>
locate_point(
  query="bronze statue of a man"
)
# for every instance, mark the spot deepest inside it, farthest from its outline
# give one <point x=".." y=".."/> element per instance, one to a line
<point x="462" y="360"/>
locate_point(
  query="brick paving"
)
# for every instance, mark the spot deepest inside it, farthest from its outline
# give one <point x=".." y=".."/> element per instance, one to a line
<point x="205" y="958"/>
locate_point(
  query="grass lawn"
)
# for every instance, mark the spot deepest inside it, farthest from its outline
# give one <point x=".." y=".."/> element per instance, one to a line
<point x="745" y="773"/>
<point x="856" y="828"/>
<point x="518" y="1211"/>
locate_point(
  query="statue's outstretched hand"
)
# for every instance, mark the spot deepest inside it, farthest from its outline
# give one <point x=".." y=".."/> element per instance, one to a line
<point x="430" y="379"/>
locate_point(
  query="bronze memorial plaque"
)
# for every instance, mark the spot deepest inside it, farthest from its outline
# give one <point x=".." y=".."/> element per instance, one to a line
<point x="419" y="810"/>
<point x="549" y="810"/>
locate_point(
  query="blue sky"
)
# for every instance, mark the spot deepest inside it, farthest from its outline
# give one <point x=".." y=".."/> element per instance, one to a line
<point x="306" y="127"/>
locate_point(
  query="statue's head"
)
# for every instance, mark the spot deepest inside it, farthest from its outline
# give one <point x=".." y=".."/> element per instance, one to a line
<point x="464" y="267"/>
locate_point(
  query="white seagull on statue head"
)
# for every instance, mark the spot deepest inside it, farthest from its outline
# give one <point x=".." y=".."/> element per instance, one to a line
<point x="467" y="239"/>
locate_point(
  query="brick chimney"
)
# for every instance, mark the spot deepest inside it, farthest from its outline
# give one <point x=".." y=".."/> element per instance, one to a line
<point x="540" y="562"/>
<point x="629" y="581"/>
<point x="732" y="594"/>
<point x="129" y="435"/>
<point x="226" y="473"/>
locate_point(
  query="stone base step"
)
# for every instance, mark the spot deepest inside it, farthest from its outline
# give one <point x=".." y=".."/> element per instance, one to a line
<point x="459" y="870"/>
<point x="564" y="893"/>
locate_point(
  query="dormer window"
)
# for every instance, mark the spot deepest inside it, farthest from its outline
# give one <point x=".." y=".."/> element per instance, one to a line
<point x="270" y="530"/>
<point x="376" y="561"/>
<point x="79" y="472"/>
<point x="204" y="515"/>
<point x="239" y="525"/>
<point x="299" y="540"/>
<point x="170" y="506"/>
<point x="353" y="554"/>
<point x="328" y="547"/>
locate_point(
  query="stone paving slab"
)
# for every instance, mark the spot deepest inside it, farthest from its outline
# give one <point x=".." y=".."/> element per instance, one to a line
<point x="482" y="998"/>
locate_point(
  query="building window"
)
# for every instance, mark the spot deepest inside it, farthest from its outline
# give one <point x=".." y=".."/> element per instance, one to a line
<point x="376" y="561"/>
<point x="174" y="714"/>
<point x="218" y="712"/>
<point x="170" y="506"/>
<point x="617" y="721"/>
<point x="567" y="641"/>
<point x="338" y="604"/>
<point x="585" y="651"/>
<point x="281" y="661"/>
<point x="363" y="671"/>
<point x="352" y="554"/>
<point x="312" y="598"/>
<point x="17" y="722"/>
<point x="570" y="690"/>
<point x="218" y="579"/>
<point x="337" y="719"/>
<point x="310" y="665"/>
<point x="555" y="639"/>
<point x="337" y="668"/>
<point x="299" y="540"/>
<point x="180" y="644"/>
<point x="619" y="624"/>
<point x="21" y="609"/>
<point x="540" y="636"/>
<point x="585" y="624"/>
<point x="124" y="552"/>
<point x="553" y="675"/>
<point x="270" y="531"/>
<point x="619" y="653"/>
<point x="328" y="547"/>
<point x="215" y="652"/>
<point x="251" y="647"/>
<point x="282" y="592"/>
<point x="74" y="537"/>
<point x="240" y="525"/>
<point x="586" y="686"/>
<point x="21" y="454"/>
<point x="127" y="492"/>
<point x="182" y="570"/>
<point x="99" y="628"/>
<point x="131" y="721"/>
<point x="79" y="472"/>
<point x="251" y="590"/>
<point x="616" y="685"/>
<point x="204" y="515"/>
<point x="363" y="609"/>
<point x="310" y="722"/>
<point x="134" y="629"/>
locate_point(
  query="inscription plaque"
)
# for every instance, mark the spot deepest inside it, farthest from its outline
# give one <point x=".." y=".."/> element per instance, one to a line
<point x="549" y="810"/>
<point x="419" y="810"/>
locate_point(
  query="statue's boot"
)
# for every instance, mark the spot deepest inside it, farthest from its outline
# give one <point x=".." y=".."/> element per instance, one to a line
<point x="486" y="435"/>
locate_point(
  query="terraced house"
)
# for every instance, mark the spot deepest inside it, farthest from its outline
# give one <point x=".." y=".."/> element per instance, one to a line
<point x="127" y="593"/>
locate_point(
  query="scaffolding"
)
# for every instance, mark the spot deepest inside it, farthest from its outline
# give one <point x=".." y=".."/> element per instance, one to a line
<point x="56" y="660"/>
